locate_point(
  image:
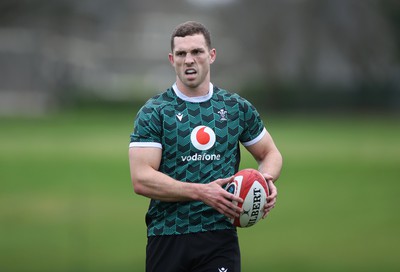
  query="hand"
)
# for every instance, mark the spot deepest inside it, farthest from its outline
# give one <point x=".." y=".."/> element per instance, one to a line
<point x="216" y="196"/>
<point x="271" y="199"/>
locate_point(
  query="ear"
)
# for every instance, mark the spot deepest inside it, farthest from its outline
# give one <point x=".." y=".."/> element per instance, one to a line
<point x="171" y="59"/>
<point x="213" y="55"/>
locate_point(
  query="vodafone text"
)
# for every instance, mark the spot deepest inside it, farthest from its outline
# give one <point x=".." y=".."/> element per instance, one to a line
<point x="202" y="157"/>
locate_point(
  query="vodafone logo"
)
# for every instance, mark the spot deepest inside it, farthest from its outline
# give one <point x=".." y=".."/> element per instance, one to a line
<point x="202" y="137"/>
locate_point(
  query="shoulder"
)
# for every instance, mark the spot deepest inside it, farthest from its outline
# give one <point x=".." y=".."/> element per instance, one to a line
<point x="158" y="102"/>
<point x="161" y="99"/>
<point x="225" y="95"/>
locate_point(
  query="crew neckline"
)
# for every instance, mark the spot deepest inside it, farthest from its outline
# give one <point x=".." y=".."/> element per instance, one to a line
<point x="195" y="99"/>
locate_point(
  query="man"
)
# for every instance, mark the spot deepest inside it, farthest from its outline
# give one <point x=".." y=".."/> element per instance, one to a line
<point x="184" y="150"/>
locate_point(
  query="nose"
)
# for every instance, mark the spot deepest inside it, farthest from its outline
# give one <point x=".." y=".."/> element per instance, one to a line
<point x="189" y="59"/>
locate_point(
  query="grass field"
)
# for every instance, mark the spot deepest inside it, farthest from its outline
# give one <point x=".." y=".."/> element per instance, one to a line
<point x="66" y="201"/>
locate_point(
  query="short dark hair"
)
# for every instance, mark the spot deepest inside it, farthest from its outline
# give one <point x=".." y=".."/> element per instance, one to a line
<point x="190" y="28"/>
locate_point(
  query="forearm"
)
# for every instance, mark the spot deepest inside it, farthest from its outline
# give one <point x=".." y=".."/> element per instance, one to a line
<point x="156" y="185"/>
<point x="149" y="182"/>
<point x="271" y="164"/>
<point x="268" y="157"/>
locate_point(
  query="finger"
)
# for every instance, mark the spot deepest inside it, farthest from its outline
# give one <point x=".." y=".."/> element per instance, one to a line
<point x="268" y="176"/>
<point x="271" y="197"/>
<point x="233" y="197"/>
<point x="267" y="211"/>
<point x="231" y="213"/>
<point x="273" y="191"/>
<point x="231" y="201"/>
<point x="224" y="180"/>
<point x="269" y="208"/>
<point x="270" y="204"/>
<point x="238" y="210"/>
<point x="230" y="210"/>
<point x="265" y="214"/>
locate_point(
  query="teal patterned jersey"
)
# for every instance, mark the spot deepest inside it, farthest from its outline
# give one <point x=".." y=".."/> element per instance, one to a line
<point x="199" y="138"/>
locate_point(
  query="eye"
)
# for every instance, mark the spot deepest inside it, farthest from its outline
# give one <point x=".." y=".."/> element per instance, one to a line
<point x="196" y="52"/>
<point x="180" y="53"/>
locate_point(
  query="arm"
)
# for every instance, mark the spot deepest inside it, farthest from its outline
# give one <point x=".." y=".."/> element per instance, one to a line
<point x="149" y="182"/>
<point x="268" y="157"/>
<point x="269" y="161"/>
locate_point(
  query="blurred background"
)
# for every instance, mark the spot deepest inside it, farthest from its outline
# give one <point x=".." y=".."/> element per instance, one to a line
<point x="325" y="75"/>
<point x="294" y="55"/>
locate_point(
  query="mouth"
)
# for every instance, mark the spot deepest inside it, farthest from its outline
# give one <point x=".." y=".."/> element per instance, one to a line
<point x="190" y="71"/>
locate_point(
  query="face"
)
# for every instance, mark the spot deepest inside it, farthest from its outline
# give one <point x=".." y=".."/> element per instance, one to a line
<point x="191" y="59"/>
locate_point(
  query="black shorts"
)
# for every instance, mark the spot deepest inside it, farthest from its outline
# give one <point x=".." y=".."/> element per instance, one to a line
<point x="214" y="251"/>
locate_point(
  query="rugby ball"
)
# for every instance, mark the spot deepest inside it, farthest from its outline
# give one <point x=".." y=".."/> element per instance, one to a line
<point x="252" y="187"/>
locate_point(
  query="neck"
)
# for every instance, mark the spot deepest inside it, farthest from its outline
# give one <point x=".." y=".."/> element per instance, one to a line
<point x="195" y="99"/>
<point x="200" y="90"/>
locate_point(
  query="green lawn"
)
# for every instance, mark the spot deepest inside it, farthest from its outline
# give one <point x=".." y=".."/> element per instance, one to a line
<point x="66" y="202"/>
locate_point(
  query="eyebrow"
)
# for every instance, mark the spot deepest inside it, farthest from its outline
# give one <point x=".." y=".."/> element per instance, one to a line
<point x="200" y="49"/>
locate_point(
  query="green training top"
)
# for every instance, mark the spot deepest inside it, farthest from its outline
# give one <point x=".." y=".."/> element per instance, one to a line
<point x="199" y="138"/>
